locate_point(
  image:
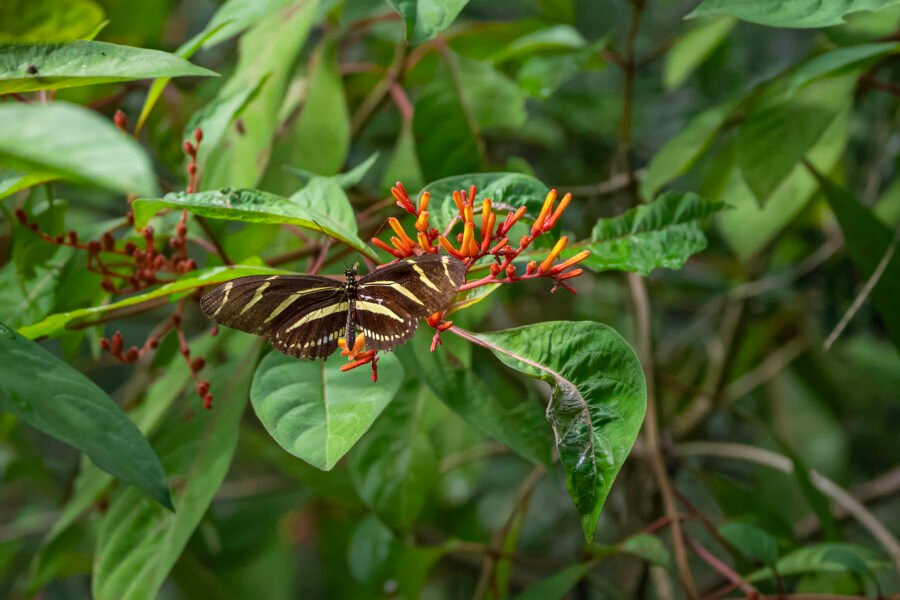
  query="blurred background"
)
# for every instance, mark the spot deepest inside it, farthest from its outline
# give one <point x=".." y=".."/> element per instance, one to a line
<point x="575" y="93"/>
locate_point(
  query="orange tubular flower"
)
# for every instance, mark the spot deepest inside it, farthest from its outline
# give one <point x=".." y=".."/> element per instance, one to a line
<point x="548" y="262"/>
<point x="559" y="210"/>
<point x="571" y="261"/>
<point x="511" y="219"/>
<point x="468" y="239"/>
<point x="500" y="245"/>
<point x="457" y="198"/>
<point x="386" y="248"/>
<point x="422" y="221"/>
<point x="423" y="201"/>
<point x="398" y="228"/>
<point x="449" y="247"/>
<point x="571" y="274"/>
<point x="426" y="244"/>
<point x="538" y="225"/>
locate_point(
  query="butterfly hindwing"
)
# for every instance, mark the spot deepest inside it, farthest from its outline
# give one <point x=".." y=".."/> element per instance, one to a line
<point x="259" y="304"/>
<point x="313" y="332"/>
<point x="393" y="298"/>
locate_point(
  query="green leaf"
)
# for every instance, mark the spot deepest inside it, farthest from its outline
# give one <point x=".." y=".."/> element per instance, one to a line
<point x="30" y="67"/>
<point x="13" y="181"/>
<point x="542" y="41"/>
<point x="778" y="134"/>
<point x="820" y="558"/>
<point x="540" y="76"/>
<point x="838" y="59"/>
<point x="662" y="234"/>
<point x="492" y="99"/>
<point x="403" y="165"/>
<point x="426" y="18"/>
<point x="647" y="547"/>
<point x="91" y="481"/>
<point x="55" y="323"/>
<point x="597" y="404"/>
<point x="693" y="48"/>
<point x="516" y="421"/>
<point x="319" y="140"/>
<point x="507" y="191"/>
<point x="749" y="228"/>
<point x="23" y="21"/>
<point x="325" y="196"/>
<point x="371" y="546"/>
<point x="868" y="240"/>
<point x="138" y="543"/>
<point x="55" y="398"/>
<point x="680" y="153"/>
<point x="316" y="412"/>
<point x="752" y="541"/>
<point x="394" y="465"/>
<point x="817" y="501"/>
<point x="267" y="51"/>
<point x="789" y="13"/>
<point x="249" y="206"/>
<point x="557" y="586"/>
<point x="69" y="142"/>
<point x="233" y="17"/>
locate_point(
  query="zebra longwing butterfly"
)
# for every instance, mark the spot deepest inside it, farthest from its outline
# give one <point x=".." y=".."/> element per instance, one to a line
<point x="304" y="315"/>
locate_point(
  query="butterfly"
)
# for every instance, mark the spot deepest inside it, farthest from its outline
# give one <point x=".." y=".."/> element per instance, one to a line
<point x="305" y="315"/>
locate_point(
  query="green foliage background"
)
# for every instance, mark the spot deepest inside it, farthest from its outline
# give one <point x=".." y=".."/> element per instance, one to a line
<point x="735" y="177"/>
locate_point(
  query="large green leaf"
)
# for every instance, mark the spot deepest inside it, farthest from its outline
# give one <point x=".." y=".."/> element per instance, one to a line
<point x="662" y="234"/>
<point x="233" y="17"/>
<point x="789" y="13"/>
<point x="316" y="412"/>
<point x="693" y="48"/>
<point x="516" y="421"/>
<point x="819" y="558"/>
<point x="70" y="142"/>
<point x="91" y="481"/>
<point x="24" y="21"/>
<point x="403" y="165"/>
<point x="138" y="543"/>
<point x="507" y="191"/>
<point x="541" y="41"/>
<point x="597" y="404"/>
<point x="29" y="67"/>
<point x="541" y="75"/>
<point x="268" y="50"/>
<point x="868" y="240"/>
<point x="752" y="541"/>
<point x="840" y="58"/>
<point x="748" y="228"/>
<point x="426" y="18"/>
<point x="319" y="139"/>
<point x="249" y="206"/>
<point x="55" y="398"/>
<point x="13" y="181"/>
<point x="55" y="323"/>
<point x="680" y="153"/>
<point x="779" y="132"/>
<point x="324" y="195"/>
<point x="394" y="465"/>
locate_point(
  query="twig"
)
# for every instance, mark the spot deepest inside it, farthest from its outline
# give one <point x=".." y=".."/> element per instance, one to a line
<point x="865" y="291"/>
<point x="602" y="188"/>
<point x="774" y="364"/>
<point x="781" y="463"/>
<point x="789" y="276"/>
<point x="722" y="569"/>
<point x="379" y="93"/>
<point x="204" y="224"/>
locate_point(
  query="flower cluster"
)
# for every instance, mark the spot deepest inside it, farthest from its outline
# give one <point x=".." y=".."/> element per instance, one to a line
<point x="129" y="266"/>
<point x="477" y="241"/>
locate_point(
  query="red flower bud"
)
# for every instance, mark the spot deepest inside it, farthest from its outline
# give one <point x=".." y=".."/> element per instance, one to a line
<point x="109" y="241"/>
<point x="130" y="247"/>
<point x="198" y="135"/>
<point x="21" y="216"/>
<point x="189" y="148"/>
<point x="203" y="388"/>
<point x="104" y="344"/>
<point x="117" y="342"/>
<point x="73" y="238"/>
<point x="132" y="355"/>
<point x="207" y="401"/>
<point x="511" y="271"/>
<point x="108" y="286"/>
<point x="197" y="364"/>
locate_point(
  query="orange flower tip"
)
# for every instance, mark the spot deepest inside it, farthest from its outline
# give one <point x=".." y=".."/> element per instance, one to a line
<point x="500" y="245"/>
<point x="359" y="343"/>
<point x="570" y="274"/>
<point x="524" y="241"/>
<point x="342" y="343"/>
<point x="472" y="190"/>
<point x="548" y="262"/>
<point x="574" y="260"/>
<point x="531" y="268"/>
<point x="445" y="326"/>
<point x="457" y="199"/>
<point x="423" y="201"/>
<point x="422" y="221"/>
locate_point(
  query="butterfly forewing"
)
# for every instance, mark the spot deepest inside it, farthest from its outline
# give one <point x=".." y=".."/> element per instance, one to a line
<point x="259" y="304"/>
<point x="393" y="298"/>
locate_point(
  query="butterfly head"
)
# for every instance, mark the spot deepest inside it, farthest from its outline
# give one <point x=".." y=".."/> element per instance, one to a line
<point x="350" y="272"/>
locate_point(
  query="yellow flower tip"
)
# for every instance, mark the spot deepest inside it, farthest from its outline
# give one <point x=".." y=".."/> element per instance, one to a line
<point x="469" y="214"/>
<point x="342" y="342"/>
<point x="359" y="343"/>
<point x="563" y="204"/>
<point x="468" y="239"/>
<point x="423" y="201"/>
<point x="548" y="262"/>
<point x="531" y="268"/>
<point x="449" y="247"/>
<point x="571" y="261"/>
<point x="422" y="221"/>
<point x="457" y="198"/>
<point x="425" y="244"/>
<point x="401" y="233"/>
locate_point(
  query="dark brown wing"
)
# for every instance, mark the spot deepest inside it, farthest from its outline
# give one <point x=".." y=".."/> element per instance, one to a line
<point x="313" y="331"/>
<point x="260" y="304"/>
<point x="392" y="299"/>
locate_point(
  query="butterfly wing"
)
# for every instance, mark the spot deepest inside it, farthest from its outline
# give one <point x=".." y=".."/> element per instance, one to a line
<point x="392" y="299"/>
<point x="313" y="331"/>
<point x="268" y="305"/>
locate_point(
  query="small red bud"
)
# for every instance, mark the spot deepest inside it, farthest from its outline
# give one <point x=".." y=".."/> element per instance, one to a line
<point x="524" y="241"/>
<point x="33" y="227"/>
<point x="154" y="343"/>
<point x="131" y="355"/>
<point x="73" y="238"/>
<point x="214" y="331"/>
<point x="120" y="120"/>
<point x="108" y="286"/>
<point x="59" y="239"/>
<point x="159" y="262"/>
<point x="192" y="168"/>
<point x="21" y="216"/>
<point x="495" y="268"/>
<point x="130" y="247"/>
<point x="109" y="241"/>
<point x="129" y="216"/>
<point x="197" y="364"/>
<point x="147" y="232"/>
<point x="93" y="247"/>
<point x="190" y="264"/>
<point x="104" y="344"/>
<point x="117" y="342"/>
<point x="189" y="148"/>
<point x="198" y="135"/>
<point x="207" y="401"/>
<point x="203" y="388"/>
<point x="181" y="229"/>
<point x="511" y="271"/>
